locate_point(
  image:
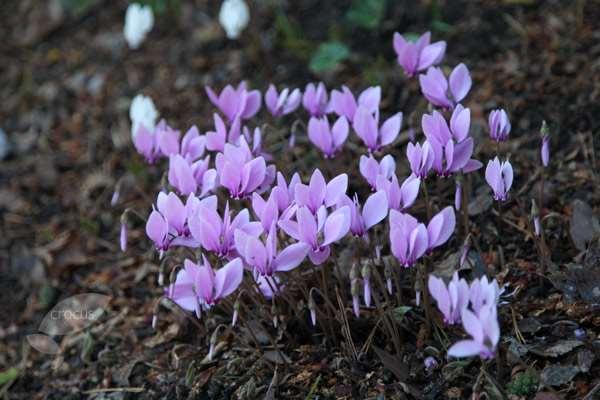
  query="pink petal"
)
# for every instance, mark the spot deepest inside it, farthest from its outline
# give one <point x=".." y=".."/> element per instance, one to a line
<point x="390" y="129"/>
<point x="460" y="82"/>
<point x="365" y="126"/>
<point x="335" y="189"/>
<point x="228" y="278"/>
<point x="465" y="348"/>
<point x="375" y="209"/>
<point x="337" y="225"/>
<point x="441" y="227"/>
<point x="431" y="55"/>
<point x="291" y="257"/>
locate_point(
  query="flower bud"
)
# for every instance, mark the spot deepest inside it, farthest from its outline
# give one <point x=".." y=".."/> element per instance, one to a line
<point x="354" y="290"/>
<point x="535" y="217"/>
<point x="430" y="363"/>
<point x="115" y="198"/>
<point x="236" y="311"/>
<point x="366" y="275"/>
<point x="274" y="313"/>
<point x="545" y="147"/>
<point x="388" y="275"/>
<point x="213" y="344"/>
<point x="458" y="193"/>
<point x="123" y="233"/>
<point x="313" y="310"/>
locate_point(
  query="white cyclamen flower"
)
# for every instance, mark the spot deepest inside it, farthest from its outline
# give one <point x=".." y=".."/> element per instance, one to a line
<point x="142" y="111"/>
<point x="234" y="17"/>
<point x="138" y="22"/>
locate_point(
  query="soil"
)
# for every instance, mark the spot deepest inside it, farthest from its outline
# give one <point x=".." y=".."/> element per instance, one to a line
<point x="66" y="81"/>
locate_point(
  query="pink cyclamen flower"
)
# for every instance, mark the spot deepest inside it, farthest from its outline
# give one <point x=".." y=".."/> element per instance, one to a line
<point x="215" y="140"/>
<point x="318" y="192"/>
<point x="499" y="125"/>
<point x="420" y="157"/>
<point x="216" y="234"/>
<point x="146" y="144"/>
<point x="485" y="334"/>
<point x="168" y="139"/>
<point x="198" y="287"/>
<point x="265" y="258"/>
<point x="328" y="139"/>
<point x="366" y="126"/>
<point x="545" y="150"/>
<point x="238" y="171"/>
<point x="344" y="103"/>
<point x="484" y="293"/>
<point x="451" y="299"/>
<point x="235" y="103"/>
<point x="410" y="239"/>
<point x="282" y="103"/>
<point x="168" y="223"/>
<point x="499" y="175"/>
<point x="400" y="197"/>
<point x="191" y="147"/>
<point x="444" y="92"/>
<point x="364" y="218"/>
<point x="187" y="177"/>
<point x="370" y="169"/>
<point x="318" y="232"/>
<point x="267" y="212"/>
<point x="315" y="99"/>
<point x="452" y="146"/>
<point x="418" y="56"/>
<point x="284" y="193"/>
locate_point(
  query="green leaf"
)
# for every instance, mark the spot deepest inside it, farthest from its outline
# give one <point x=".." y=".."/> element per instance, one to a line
<point x="366" y="13"/>
<point x="9" y="375"/>
<point x="328" y="56"/>
<point x="400" y="312"/>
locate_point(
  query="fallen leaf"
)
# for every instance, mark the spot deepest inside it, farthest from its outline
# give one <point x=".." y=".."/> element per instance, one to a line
<point x="529" y="325"/>
<point x="398" y="368"/>
<point x="585" y="358"/>
<point x="557" y="375"/>
<point x="481" y="202"/>
<point x="584" y="224"/>
<point x="557" y="349"/>
<point x="277" y="357"/>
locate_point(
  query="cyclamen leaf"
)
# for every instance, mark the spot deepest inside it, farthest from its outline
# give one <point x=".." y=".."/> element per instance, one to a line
<point x="328" y="56"/>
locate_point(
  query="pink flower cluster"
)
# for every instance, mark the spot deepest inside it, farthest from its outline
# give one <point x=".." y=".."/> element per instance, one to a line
<point x="230" y="202"/>
<point x="475" y="306"/>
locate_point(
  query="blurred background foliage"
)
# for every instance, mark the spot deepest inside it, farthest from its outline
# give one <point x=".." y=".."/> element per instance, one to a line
<point x="358" y="22"/>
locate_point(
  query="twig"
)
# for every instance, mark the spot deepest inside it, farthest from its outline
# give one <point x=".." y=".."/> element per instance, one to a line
<point x="110" y="390"/>
<point x="592" y="392"/>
